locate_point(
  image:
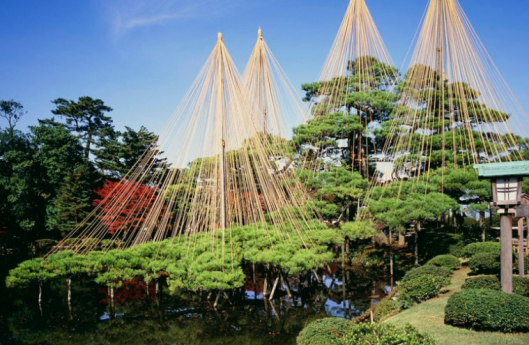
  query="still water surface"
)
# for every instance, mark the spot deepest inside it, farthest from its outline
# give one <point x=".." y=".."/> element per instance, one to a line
<point x="147" y="317"/>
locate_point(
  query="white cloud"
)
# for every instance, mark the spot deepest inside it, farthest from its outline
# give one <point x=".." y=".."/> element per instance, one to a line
<point x="126" y="15"/>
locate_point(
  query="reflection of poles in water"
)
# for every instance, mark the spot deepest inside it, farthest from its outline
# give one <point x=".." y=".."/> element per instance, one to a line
<point x="254" y="282"/>
<point x="344" y="289"/>
<point x="40" y="298"/>
<point x="111" y="301"/>
<point x="69" y="284"/>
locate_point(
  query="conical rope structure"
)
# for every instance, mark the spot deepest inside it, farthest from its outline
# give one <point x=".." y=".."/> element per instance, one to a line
<point x="272" y="92"/>
<point x="455" y="109"/>
<point x="356" y="78"/>
<point x="223" y="172"/>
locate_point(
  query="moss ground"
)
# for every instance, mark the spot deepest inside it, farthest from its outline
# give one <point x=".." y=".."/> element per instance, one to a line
<point x="428" y="317"/>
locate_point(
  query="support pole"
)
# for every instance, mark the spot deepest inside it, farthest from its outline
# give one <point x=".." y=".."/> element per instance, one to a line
<point x="506" y="252"/>
<point x="521" y="253"/>
<point x="222" y="163"/>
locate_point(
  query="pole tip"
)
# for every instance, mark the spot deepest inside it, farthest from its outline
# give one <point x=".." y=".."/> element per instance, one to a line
<point x="260" y="33"/>
<point x="220" y="37"/>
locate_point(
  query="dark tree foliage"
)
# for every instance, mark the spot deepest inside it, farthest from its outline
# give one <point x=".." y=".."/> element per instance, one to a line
<point x="12" y="111"/>
<point x="86" y="118"/>
<point x="130" y="151"/>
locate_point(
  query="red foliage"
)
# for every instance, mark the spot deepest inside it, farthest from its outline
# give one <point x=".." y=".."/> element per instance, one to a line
<point x="124" y="204"/>
<point x="131" y="290"/>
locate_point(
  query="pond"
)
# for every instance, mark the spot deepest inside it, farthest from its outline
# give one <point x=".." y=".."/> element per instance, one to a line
<point x="142" y="315"/>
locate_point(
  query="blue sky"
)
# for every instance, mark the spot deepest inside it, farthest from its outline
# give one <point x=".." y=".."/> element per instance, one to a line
<point x="140" y="56"/>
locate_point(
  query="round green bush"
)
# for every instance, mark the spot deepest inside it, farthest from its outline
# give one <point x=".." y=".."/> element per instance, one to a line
<point x="421" y="288"/>
<point x="325" y="331"/>
<point x="484" y="282"/>
<point x="520" y="284"/>
<point x="384" y="308"/>
<point x="457" y="250"/>
<point x="490" y="310"/>
<point x="480" y="248"/>
<point x="427" y="270"/>
<point x="386" y="334"/>
<point x="343" y="332"/>
<point x="485" y="263"/>
<point x="448" y="261"/>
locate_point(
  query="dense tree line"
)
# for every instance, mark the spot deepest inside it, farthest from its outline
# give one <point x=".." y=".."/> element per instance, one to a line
<point x="49" y="173"/>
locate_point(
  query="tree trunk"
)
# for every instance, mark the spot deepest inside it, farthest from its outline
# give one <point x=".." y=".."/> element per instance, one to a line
<point x="391" y="255"/>
<point x="360" y="164"/>
<point x="274" y="288"/>
<point x="482" y="226"/>
<point x="88" y="144"/>
<point x="265" y="287"/>
<point x="343" y="256"/>
<point x="216" y="300"/>
<point x="416" y="249"/>
<point x="287" y="285"/>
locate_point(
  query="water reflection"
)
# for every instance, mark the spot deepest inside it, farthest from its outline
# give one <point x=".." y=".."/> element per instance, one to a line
<point x="143" y="316"/>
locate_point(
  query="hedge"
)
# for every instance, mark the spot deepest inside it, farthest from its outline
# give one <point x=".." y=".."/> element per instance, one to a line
<point x="421" y="288"/>
<point x="384" y="308"/>
<point x="489" y="263"/>
<point x="520" y="284"/>
<point x="485" y="263"/>
<point x="343" y="332"/>
<point x="325" y="331"/>
<point x="480" y="248"/>
<point x="426" y="270"/>
<point x="448" y="261"/>
<point x="490" y="310"/>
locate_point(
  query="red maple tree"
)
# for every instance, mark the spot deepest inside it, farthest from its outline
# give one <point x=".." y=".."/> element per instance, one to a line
<point x="124" y="204"/>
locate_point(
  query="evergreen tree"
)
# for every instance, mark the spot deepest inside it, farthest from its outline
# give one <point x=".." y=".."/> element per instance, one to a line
<point x="86" y="118"/>
<point x="129" y="151"/>
<point x="74" y="200"/>
<point x="12" y="111"/>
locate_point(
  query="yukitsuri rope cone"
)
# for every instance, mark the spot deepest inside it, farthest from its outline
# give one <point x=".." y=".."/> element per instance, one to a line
<point x="224" y="170"/>
<point x="357" y="75"/>
<point x="455" y="109"/>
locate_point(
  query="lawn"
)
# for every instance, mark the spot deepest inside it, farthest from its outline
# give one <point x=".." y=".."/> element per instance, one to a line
<point x="428" y="317"/>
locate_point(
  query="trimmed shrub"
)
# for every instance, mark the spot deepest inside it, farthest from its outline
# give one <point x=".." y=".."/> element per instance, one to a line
<point x="384" y="308"/>
<point x="360" y="334"/>
<point x="422" y="288"/>
<point x="386" y="334"/>
<point x="484" y="282"/>
<point x="325" y="331"/>
<point x="490" y="310"/>
<point x="520" y="284"/>
<point x="426" y="270"/>
<point x="515" y="263"/>
<point x="448" y="261"/>
<point x="480" y="248"/>
<point x="485" y="263"/>
<point x="457" y="250"/>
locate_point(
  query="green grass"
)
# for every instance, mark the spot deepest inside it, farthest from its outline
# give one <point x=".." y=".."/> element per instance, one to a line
<point x="428" y="317"/>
